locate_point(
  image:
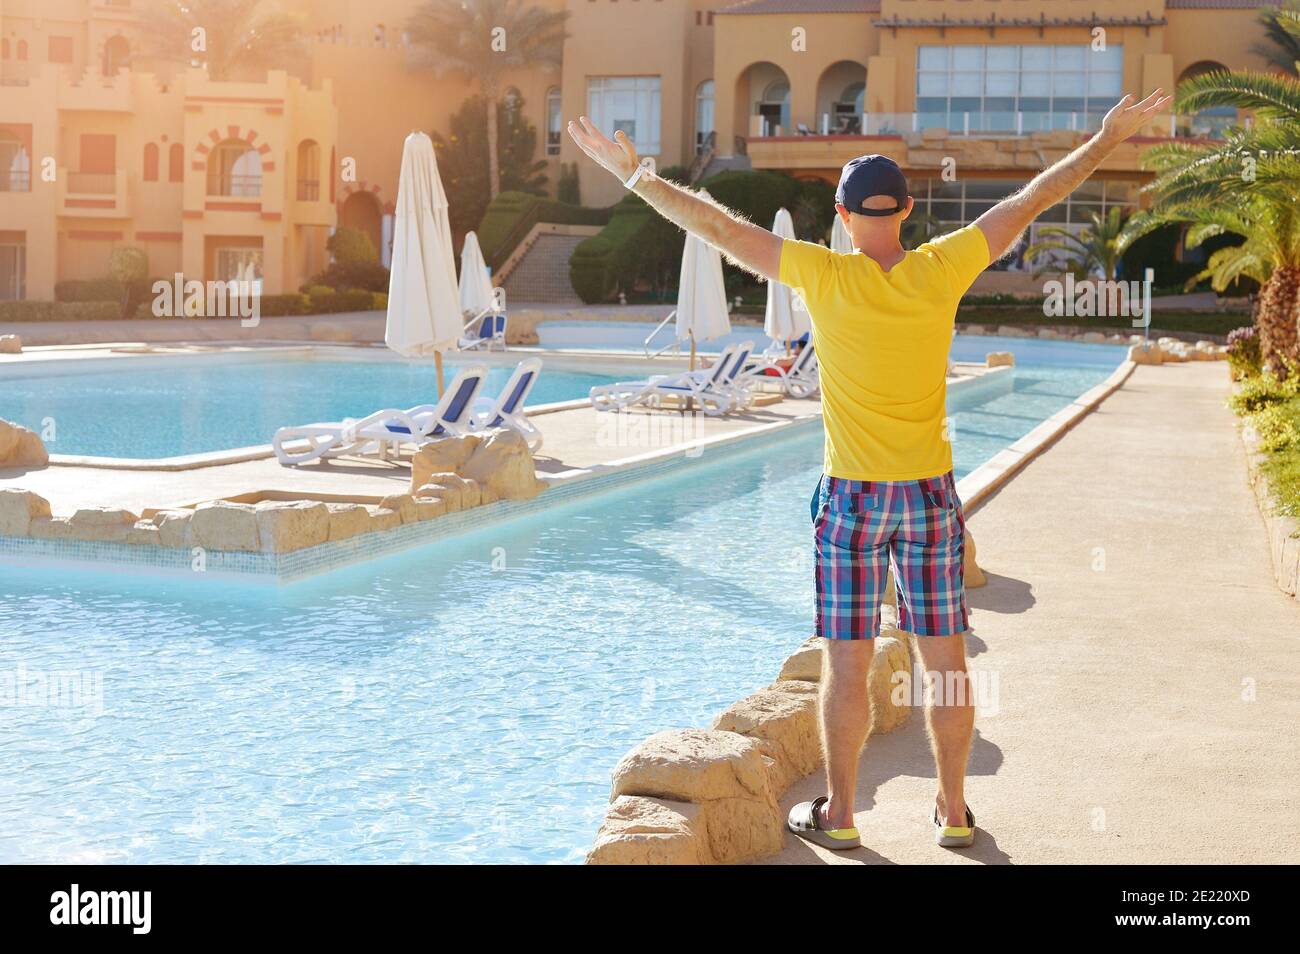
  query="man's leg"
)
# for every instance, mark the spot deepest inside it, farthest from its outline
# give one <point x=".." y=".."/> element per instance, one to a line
<point x="845" y="716"/>
<point x="950" y="717"/>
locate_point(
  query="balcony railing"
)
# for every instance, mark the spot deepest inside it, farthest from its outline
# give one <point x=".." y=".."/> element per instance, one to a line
<point x="983" y="124"/>
<point x="92" y="183"/>
<point x="308" y="190"/>
<point x="235" y="187"/>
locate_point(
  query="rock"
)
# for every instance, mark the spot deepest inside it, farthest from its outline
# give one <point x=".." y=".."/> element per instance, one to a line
<point x="503" y="464"/>
<point x="382" y="518"/>
<point x="347" y="520"/>
<point x="20" y="447"/>
<point x="106" y="524"/>
<point x="11" y="344"/>
<point x="973" y="576"/>
<point x="221" y="525"/>
<point x="174" y="528"/>
<point x="805" y="663"/>
<point x="428" y="508"/>
<point x="1145" y="354"/>
<point x="784" y="718"/>
<point x="998" y="359"/>
<point x="18" y="508"/>
<point x="1010" y="331"/>
<point x="51" y="528"/>
<point x="445" y="456"/>
<point x="143" y="533"/>
<point x="693" y="765"/>
<point x="1094" y="337"/>
<point x="456" y="492"/>
<point x="649" y="831"/>
<point x="287" y="525"/>
<point x="974" y="330"/>
<point x="403" y="504"/>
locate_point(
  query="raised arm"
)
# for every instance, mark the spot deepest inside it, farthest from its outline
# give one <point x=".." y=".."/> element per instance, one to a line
<point x="1003" y="223"/>
<point x="745" y="244"/>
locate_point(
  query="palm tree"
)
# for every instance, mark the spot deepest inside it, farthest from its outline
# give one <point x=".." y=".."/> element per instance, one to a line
<point x="1096" y="248"/>
<point x="1282" y="49"/>
<point x="1256" y="168"/>
<point x="239" y="37"/>
<point x="483" y="40"/>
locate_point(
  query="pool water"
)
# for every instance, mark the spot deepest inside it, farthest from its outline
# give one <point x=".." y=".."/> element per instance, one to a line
<point x="462" y="702"/>
<point x="195" y="407"/>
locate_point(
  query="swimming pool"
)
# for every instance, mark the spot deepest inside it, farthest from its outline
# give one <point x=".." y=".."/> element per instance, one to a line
<point x="461" y="702"/>
<point x="184" y="405"/>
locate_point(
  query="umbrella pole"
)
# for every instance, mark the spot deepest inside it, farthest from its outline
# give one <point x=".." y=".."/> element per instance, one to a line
<point x="437" y="363"/>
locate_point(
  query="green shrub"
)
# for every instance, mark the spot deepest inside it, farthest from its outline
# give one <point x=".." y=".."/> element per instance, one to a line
<point x="275" y="306"/>
<point x="88" y="289"/>
<point x="508" y="209"/>
<point x="566" y="190"/>
<point x="587" y="269"/>
<point x="318" y="290"/>
<point x="26" y="310"/>
<point x="1278" y="428"/>
<point x="1262" y="391"/>
<point x="350" y="246"/>
<point x="1244" y="357"/>
<point x="352" y="300"/>
<point x="341" y="276"/>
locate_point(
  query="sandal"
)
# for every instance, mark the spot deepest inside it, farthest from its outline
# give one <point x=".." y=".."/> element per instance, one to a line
<point x="803" y="822"/>
<point x="950" y="836"/>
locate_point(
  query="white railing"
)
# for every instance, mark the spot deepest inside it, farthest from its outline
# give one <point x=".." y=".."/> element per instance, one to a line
<point x="989" y="123"/>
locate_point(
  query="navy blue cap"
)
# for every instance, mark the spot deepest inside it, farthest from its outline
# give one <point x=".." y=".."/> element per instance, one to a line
<point x="866" y="176"/>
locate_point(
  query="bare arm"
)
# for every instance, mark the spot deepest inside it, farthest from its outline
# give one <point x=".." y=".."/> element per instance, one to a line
<point x="1003" y="223"/>
<point x="745" y="244"/>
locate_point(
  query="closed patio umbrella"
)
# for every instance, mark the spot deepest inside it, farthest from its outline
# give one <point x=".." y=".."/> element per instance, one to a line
<point x="423" y="310"/>
<point x="701" y="294"/>
<point x="840" y="240"/>
<point x="786" y="317"/>
<point x="475" y="283"/>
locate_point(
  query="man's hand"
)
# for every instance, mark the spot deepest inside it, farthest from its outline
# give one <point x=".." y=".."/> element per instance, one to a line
<point x="618" y="155"/>
<point x="1126" y="117"/>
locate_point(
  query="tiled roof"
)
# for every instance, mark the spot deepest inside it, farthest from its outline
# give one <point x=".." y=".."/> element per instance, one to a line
<point x="803" y="6"/>
<point x="1219" y="4"/>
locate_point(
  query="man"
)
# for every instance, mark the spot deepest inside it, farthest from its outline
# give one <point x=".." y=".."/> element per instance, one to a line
<point x="882" y="325"/>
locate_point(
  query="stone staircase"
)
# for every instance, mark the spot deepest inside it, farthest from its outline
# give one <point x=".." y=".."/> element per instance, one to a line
<point x="542" y="273"/>
<point x="724" y="163"/>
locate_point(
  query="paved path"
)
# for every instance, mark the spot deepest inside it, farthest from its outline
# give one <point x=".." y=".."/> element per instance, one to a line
<point x="1121" y="734"/>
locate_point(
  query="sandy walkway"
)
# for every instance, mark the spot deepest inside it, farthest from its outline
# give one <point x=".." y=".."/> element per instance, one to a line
<point x="1121" y="734"/>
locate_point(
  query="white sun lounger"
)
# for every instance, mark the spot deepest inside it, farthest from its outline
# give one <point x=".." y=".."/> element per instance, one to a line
<point x="717" y="389"/>
<point x="487" y="329"/>
<point x="384" y="430"/>
<point x="800" y="380"/>
<point x="508" y="408"/>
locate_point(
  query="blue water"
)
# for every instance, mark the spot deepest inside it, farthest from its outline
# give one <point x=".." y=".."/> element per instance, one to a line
<point x="462" y="702"/>
<point x="191" y="408"/>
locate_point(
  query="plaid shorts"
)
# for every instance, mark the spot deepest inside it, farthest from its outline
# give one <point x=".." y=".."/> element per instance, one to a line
<point x="860" y="527"/>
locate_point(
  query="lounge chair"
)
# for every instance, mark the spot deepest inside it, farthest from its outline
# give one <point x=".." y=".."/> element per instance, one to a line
<point x="488" y="328"/>
<point x="717" y="389"/>
<point x="508" y="408"/>
<point x="386" y="429"/>
<point x="800" y="380"/>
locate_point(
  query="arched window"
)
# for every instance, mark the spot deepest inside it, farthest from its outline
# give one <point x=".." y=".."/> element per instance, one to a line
<point x="176" y="163"/>
<point x="4" y="48"/>
<point x="117" y="54"/>
<point x="703" y="114"/>
<point x="15" y="164"/>
<point x="151" y="162"/>
<point x="308" y="171"/>
<point x="554" y="121"/>
<point x="235" y="170"/>
<point x="774" y="107"/>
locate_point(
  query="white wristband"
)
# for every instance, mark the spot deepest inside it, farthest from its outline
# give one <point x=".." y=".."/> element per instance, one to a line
<point x="632" y="180"/>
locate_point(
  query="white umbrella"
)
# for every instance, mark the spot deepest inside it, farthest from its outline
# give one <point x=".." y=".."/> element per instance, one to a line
<point x="475" y="283"/>
<point x="423" y="311"/>
<point x="840" y="240"/>
<point x="701" y="295"/>
<point x="787" y="316"/>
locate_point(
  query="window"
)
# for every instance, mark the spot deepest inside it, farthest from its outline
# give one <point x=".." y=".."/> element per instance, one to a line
<point x="13" y="266"/>
<point x="176" y="163"/>
<point x="60" y="49"/>
<point x="774" y="107"/>
<point x="97" y="172"/>
<point x="629" y="103"/>
<point x="150" y="162"/>
<point x="22" y="49"/>
<point x="846" y="112"/>
<point x="15" y="163"/>
<point x="1016" y="88"/>
<point x="554" y="121"/>
<point x="241" y="264"/>
<point x="235" y="169"/>
<point x="4" y="48"/>
<point x="117" y="54"/>
<point x="308" y="171"/>
<point x="703" y="114"/>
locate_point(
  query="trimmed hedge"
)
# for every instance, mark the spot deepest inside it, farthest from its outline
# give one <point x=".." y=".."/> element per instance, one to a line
<point x="60" y="310"/>
<point x="603" y="262"/>
<point x="506" y="211"/>
<point x="272" y="306"/>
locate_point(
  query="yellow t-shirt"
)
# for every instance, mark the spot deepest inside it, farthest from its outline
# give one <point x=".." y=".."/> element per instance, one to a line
<point x="882" y="341"/>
